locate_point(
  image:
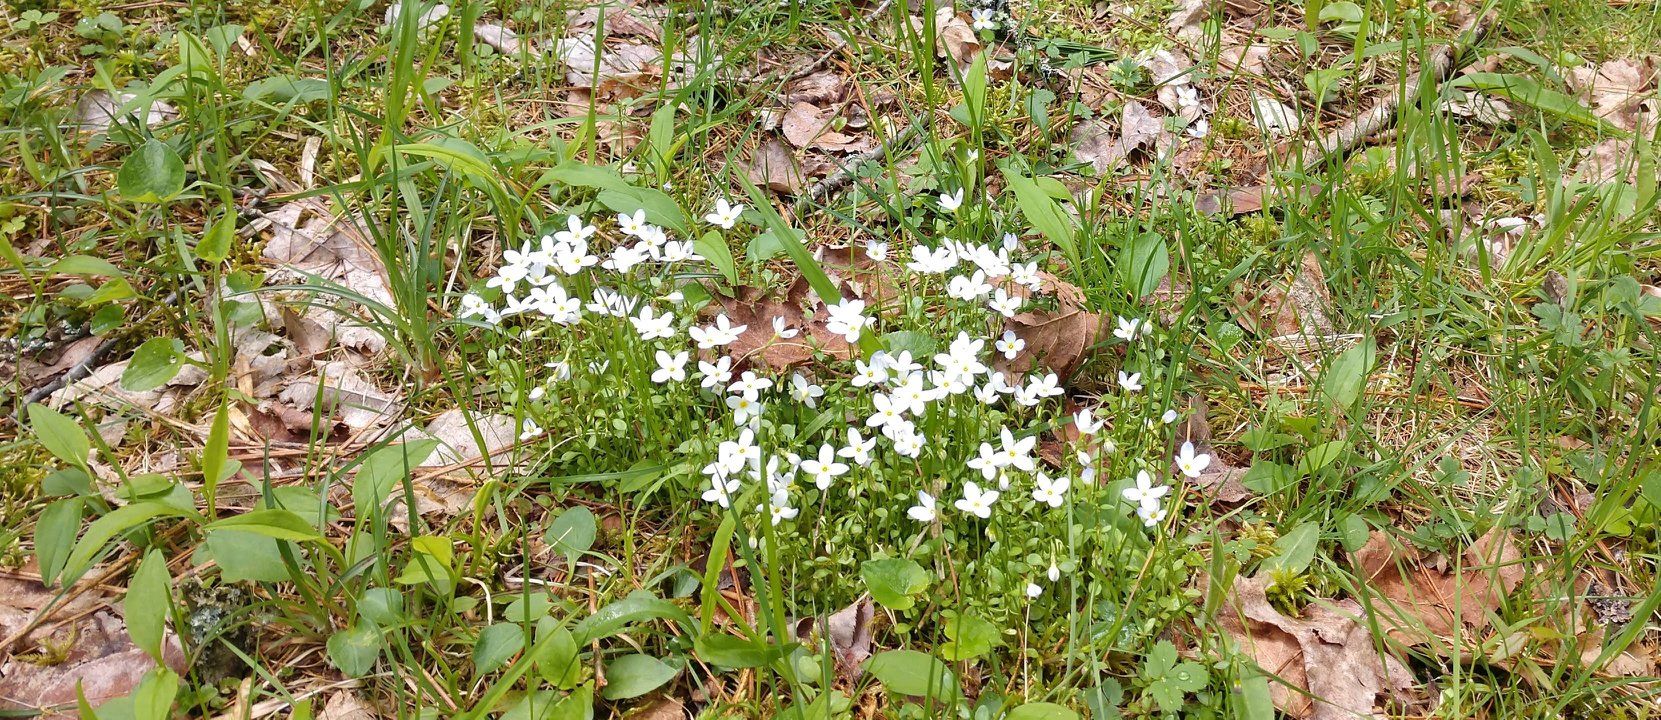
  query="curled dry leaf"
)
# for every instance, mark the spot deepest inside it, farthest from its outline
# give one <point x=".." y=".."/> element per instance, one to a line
<point x="772" y="165"/>
<point x="90" y="650"/>
<point x="1298" y="306"/>
<point x="1250" y="59"/>
<point x="1327" y="664"/>
<point x="97" y="110"/>
<point x="339" y="391"/>
<point x="103" y="387"/>
<point x="345" y="705"/>
<point x="503" y="39"/>
<point x="821" y="88"/>
<point x="849" y="632"/>
<point x="1274" y="117"/>
<point x="759" y="344"/>
<point x="1186" y="22"/>
<point x="1219" y="482"/>
<point x="809" y="126"/>
<point x="308" y="241"/>
<point x="1094" y="144"/>
<point x="1418" y="598"/>
<point x="955" y="38"/>
<point x="1615" y="89"/>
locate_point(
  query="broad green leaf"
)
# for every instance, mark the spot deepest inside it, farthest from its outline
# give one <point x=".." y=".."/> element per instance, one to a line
<point x="635" y="675"/>
<point x="287" y="88"/>
<point x="55" y="535"/>
<point x="919" y="344"/>
<point x="1528" y="91"/>
<point x="148" y="603"/>
<point x="732" y="651"/>
<point x="102" y="530"/>
<point x="62" y="436"/>
<point x="1346" y="377"/>
<point x="1321" y="456"/>
<point x="1294" y="550"/>
<point x="558" y="660"/>
<point x="153" y="698"/>
<point x="908" y="672"/>
<point x="245" y="556"/>
<point x="215" y="245"/>
<point x="971" y="637"/>
<point x="713" y="247"/>
<point x="637" y="607"/>
<point x="1041" y="711"/>
<point x="274" y="523"/>
<point x="894" y="582"/>
<point x="85" y="265"/>
<point x="1044" y="213"/>
<point x="152" y="173"/>
<point x="355" y="650"/>
<point x="528" y="608"/>
<point x="1353" y="532"/>
<point x="572" y="533"/>
<point x="496" y="644"/>
<point x="1254" y="701"/>
<point x="1143" y="263"/>
<point x="382" y="471"/>
<point x="382" y="606"/>
<point x="154" y="363"/>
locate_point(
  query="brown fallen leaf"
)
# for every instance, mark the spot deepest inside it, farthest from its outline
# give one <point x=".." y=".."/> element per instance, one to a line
<point x="341" y="392"/>
<point x="1614" y="89"/>
<point x="92" y="651"/>
<point x="1187" y="21"/>
<point x="1094" y="144"/>
<point x="849" y="633"/>
<point x="505" y="40"/>
<point x="1327" y="665"/>
<point x="1611" y="160"/>
<point x="1250" y="59"/>
<point x="1056" y="341"/>
<point x="1299" y="305"/>
<point x="760" y="344"/>
<point x="345" y="705"/>
<point x="954" y="37"/>
<point x="821" y="88"/>
<point x="1219" y="482"/>
<point x="1418" y="598"/>
<point x="809" y="126"/>
<point x="308" y="240"/>
<point x="97" y="111"/>
<point x="772" y="165"/>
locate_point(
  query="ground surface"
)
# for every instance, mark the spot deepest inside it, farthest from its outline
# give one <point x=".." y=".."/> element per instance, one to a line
<point x="1028" y="360"/>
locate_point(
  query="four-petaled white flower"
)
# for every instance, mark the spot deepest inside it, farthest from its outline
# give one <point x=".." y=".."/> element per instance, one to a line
<point x="824" y="468"/>
<point x="1087" y="422"/>
<point x="876" y="250"/>
<point x="1131" y="328"/>
<point x="530" y="430"/>
<point x="951" y="201"/>
<point x="782" y="329"/>
<point x="805" y="392"/>
<point x="633" y="225"/>
<point x="1192" y="464"/>
<point x="1010" y="345"/>
<point x="1004" y="304"/>
<point x="924" y="511"/>
<point x="725" y="214"/>
<point x="715" y="374"/>
<point x="984" y="19"/>
<point x="778" y="507"/>
<point x="847" y="319"/>
<point x="1016" y="453"/>
<point x="654" y="327"/>
<point x="1145" y="492"/>
<point x="858" y="449"/>
<point x="744" y="409"/>
<point x="1052" y="492"/>
<point x="1130" y="383"/>
<point x="670" y="368"/>
<point x="975" y="501"/>
<point x="987" y="462"/>
<point x="750" y="385"/>
<point x="719" y="333"/>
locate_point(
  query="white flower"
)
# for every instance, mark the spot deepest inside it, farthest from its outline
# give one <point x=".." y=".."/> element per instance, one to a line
<point x="806" y="392"/>
<point x="968" y="287"/>
<point x="1033" y="590"/>
<point x="1051" y="492"/>
<point x="735" y="454"/>
<point x="670" y="368"/>
<point x="1191" y="464"/>
<point x="1188" y="96"/>
<point x="625" y="257"/>
<point x="782" y="329"/>
<point x="869" y="373"/>
<point x="988" y="462"/>
<point x="1198" y="129"/>
<point x="679" y="250"/>
<point x="877" y="251"/>
<point x="824" y="468"/>
<point x="975" y="501"/>
<point x="1016" y="453"/>
<point x="575" y="232"/>
<point x="847" y="320"/>
<point x="1046" y="386"/>
<point x="1144" y="492"/>
<point x="907" y="441"/>
<point x="897" y="365"/>
<point x="1054" y="573"/>
<point x="472" y="305"/>
<point x="886" y="411"/>
<point x="1131" y="383"/>
<point x="1169" y="417"/>
<point x="858" y="449"/>
<point x="1129" y="328"/>
<point x="724" y="214"/>
<point x="654" y="327"/>
<point x="988" y="393"/>
<point x="573" y="257"/>
<point x="910" y="395"/>
<point x="750" y="385"/>
<point x="721" y="332"/>
<point x="1027" y="275"/>
<point x="634" y="225"/>
<point x="1151" y="514"/>
<point x="562" y="369"/>
<point x="983" y="20"/>
<point x="1087" y="422"/>
<point x="720" y="490"/>
<point x="1005" y="304"/>
<point x="609" y="302"/>
<point x="715" y="374"/>
<point x="531" y="430"/>
<point x="924" y="511"/>
<point x="950" y="202"/>
<point x="744" y="409"/>
<point x="778" y="507"/>
<point x="932" y="262"/>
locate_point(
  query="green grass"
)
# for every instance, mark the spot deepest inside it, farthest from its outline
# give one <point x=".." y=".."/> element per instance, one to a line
<point x="1455" y="392"/>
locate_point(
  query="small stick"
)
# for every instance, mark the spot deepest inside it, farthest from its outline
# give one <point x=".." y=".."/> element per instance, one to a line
<point x="844" y="174"/>
<point x="81" y="370"/>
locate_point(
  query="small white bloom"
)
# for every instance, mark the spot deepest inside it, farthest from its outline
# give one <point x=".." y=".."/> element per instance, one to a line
<point x="1016" y="453"/>
<point x="531" y="430"/>
<point x="1054" y="573"/>
<point x="824" y="468"/>
<point x="721" y="489"/>
<point x="1199" y="128"/>
<point x="877" y="251"/>
<point x="1169" y="417"/>
<point x="750" y="385"/>
<point x="1052" y="492"/>
<point x="1131" y="383"/>
<point x="858" y="449"/>
<point x="924" y="511"/>
<point x="847" y="319"/>
<point x="778" y="507"/>
<point x="1192" y="464"/>
<point x="633" y="225"/>
<point x="1151" y="514"/>
<point x="932" y="262"/>
<point x="886" y="411"/>
<point x="1033" y="590"/>
<point x="988" y="462"/>
<point x="782" y="329"/>
<point x="575" y="232"/>
<point x="1087" y="422"/>
<point x="724" y="214"/>
<point x="868" y="373"/>
<point x="715" y="374"/>
<point x="975" y="501"/>
<point x="983" y="20"/>
<point x="744" y="409"/>
<point x="670" y="368"/>
<point x="806" y="392"/>
<point x="1047" y="385"/>
<point x="654" y="327"/>
<point x="968" y="287"/>
<point x="1130" y="328"/>
<point x="1005" y="304"/>
<point x="950" y="202"/>
<point x="1145" y="492"/>
<point x="719" y="333"/>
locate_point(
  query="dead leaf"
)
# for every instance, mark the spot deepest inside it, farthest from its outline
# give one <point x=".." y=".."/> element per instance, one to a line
<point x="1327" y="654"/>
<point x="588" y="67"/>
<point x="1250" y="59"/>
<point x="955" y="38"/>
<point x="759" y="344"/>
<point x="92" y="652"/>
<point x="849" y="632"/>
<point x="663" y="708"/>
<point x="1299" y="306"/>
<point x="454" y="430"/>
<point x="821" y="88"/>
<point x="809" y="126"/>
<point x="622" y="19"/>
<point x="505" y="41"/>
<point x="773" y="166"/>
<point x="1168" y="70"/>
<point x="428" y="18"/>
<point x="1274" y="117"/>
<point x="1612" y="160"/>
<point x="97" y="111"/>
<point x="1479" y="108"/>
<point x="1416" y="600"/>
<point x="308" y="241"/>
<point x="345" y="705"/>
<point x="1092" y="143"/>
<point x="103" y="387"/>
<point x="1187" y="21"/>
<point x="1614" y="89"/>
<point x="1055" y="340"/>
<point x="340" y="391"/>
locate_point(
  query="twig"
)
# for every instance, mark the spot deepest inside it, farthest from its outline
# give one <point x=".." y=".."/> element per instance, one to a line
<point x="804" y="69"/>
<point x="844" y="174"/>
<point x="1377" y="118"/>
<point x="81" y="369"/>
